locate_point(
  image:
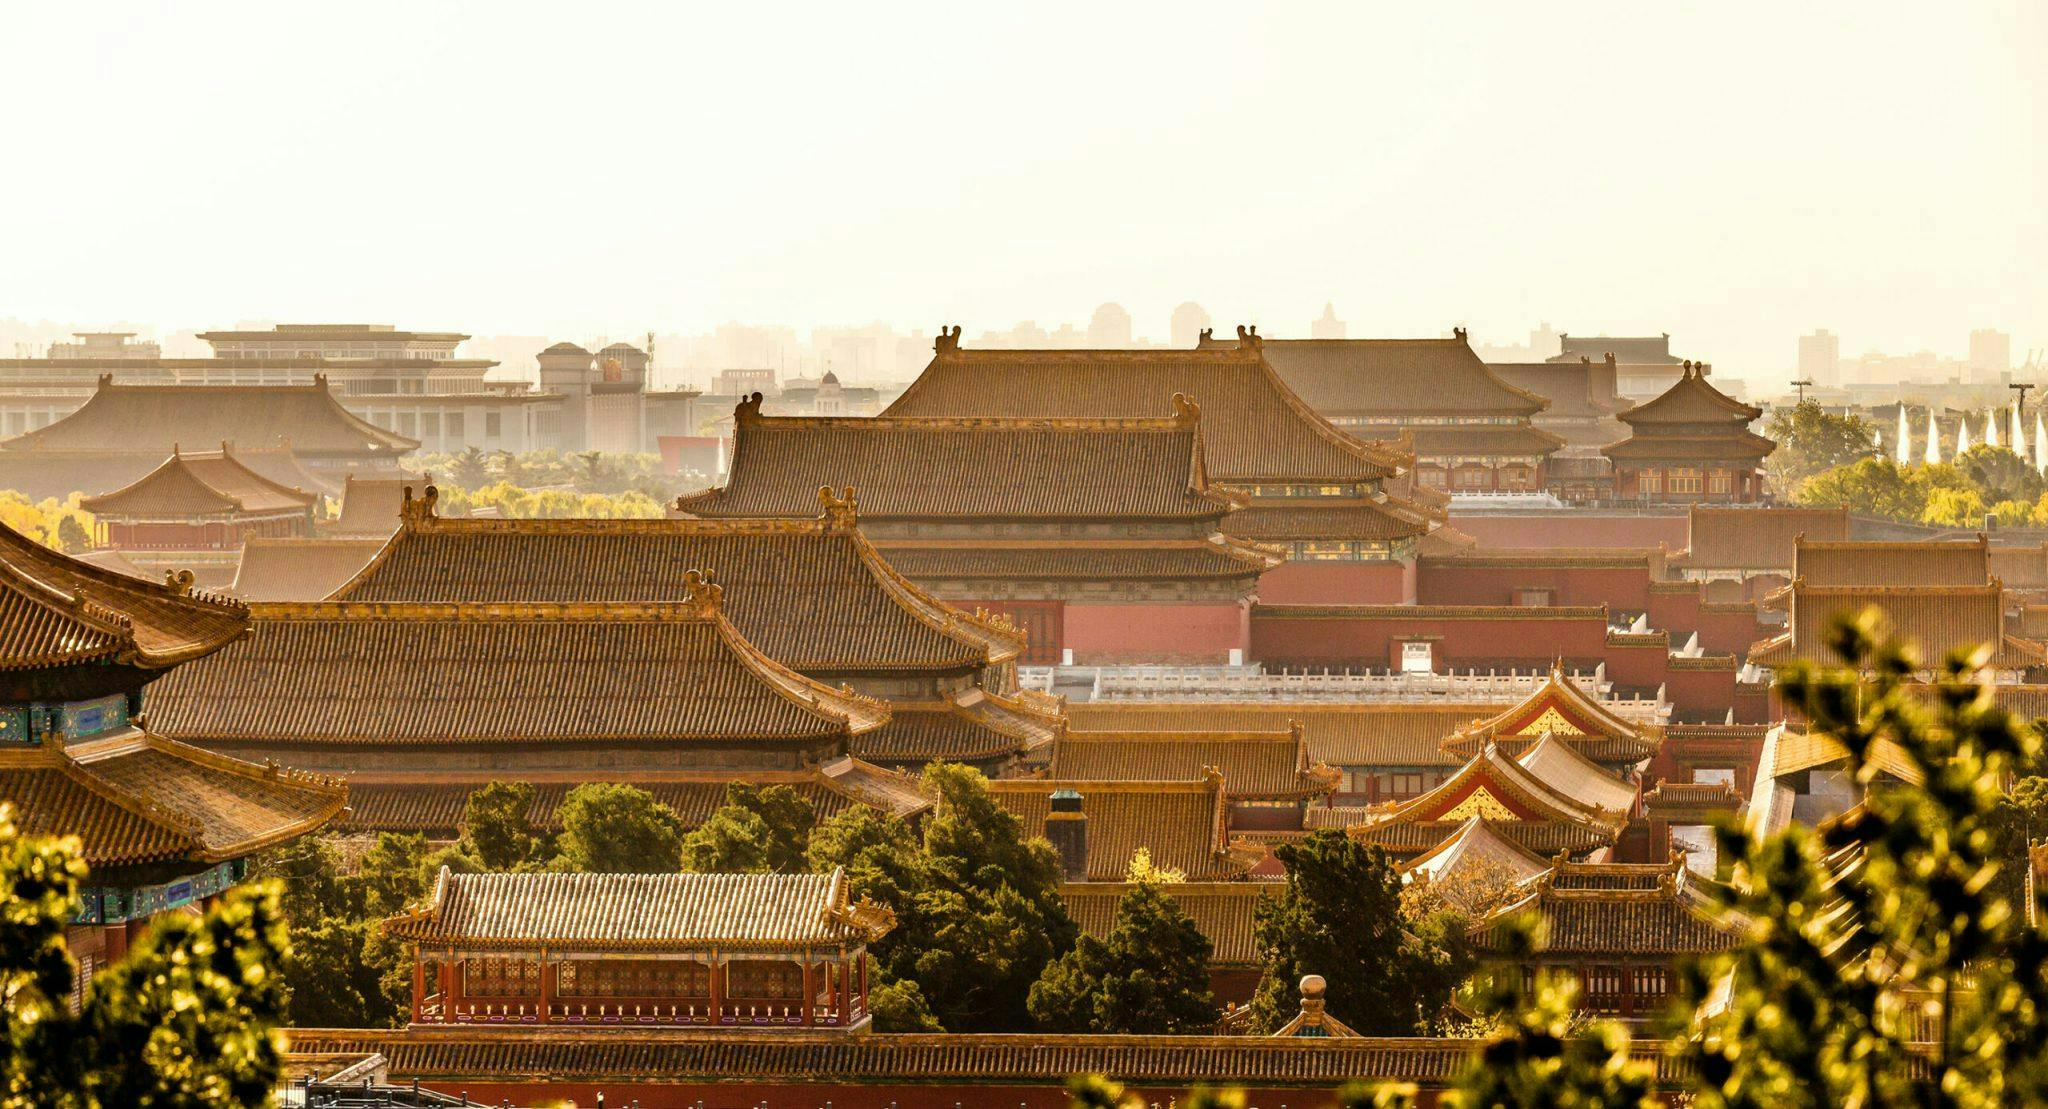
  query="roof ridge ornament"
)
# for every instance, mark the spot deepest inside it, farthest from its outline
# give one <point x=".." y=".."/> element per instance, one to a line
<point x="179" y="582"/>
<point x="1248" y="337"/>
<point x="1185" y="411"/>
<point x="748" y="409"/>
<point x="1459" y="334"/>
<point x="948" y="341"/>
<point x="420" y="509"/>
<point x="842" y="512"/>
<point x="701" y="592"/>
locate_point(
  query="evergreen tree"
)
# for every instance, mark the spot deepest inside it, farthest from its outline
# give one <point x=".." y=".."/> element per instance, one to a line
<point x="756" y="831"/>
<point x="1811" y="439"/>
<point x="496" y="833"/>
<point x="611" y="828"/>
<point x="187" y="1018"/>
<point x="1149" y="977"/>
<point x="1339" y="915"/>
<point x="978" y="911"/>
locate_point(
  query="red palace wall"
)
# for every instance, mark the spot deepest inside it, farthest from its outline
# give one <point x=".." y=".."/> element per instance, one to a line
<point x="1444" y="582"/>
<point x="1370" y="639"/>
<point x="1339" y="583"/>
<point x="1575" y="529"/>
<point x="1178" y="634"/>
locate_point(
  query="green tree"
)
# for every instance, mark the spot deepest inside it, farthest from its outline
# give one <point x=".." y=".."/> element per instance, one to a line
<point x="342" y="970"/>
<point x="1997" y="474"/>
<point x="1873" y="486"/>
<point x="1150" y="976"/>
<point x="72" y="534"/>
<point x="1811" y="439"/>
<point x="1953" y="508"/>
<point x="496" y="834"/>
<point x="1339" y="915"/>
<point x="978" y="911"/>
<point x="1886" y="963"/>
<point x="613" y="828"/>
<point x="757" y="831"/>
<point x="187" y="1018"/>
<point x="469" y="469"/>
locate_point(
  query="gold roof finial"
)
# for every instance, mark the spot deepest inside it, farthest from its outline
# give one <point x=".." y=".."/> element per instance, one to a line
<point x="179" y="582"/>
<point x="701" y="591"/>
<point x="841" y="510"/>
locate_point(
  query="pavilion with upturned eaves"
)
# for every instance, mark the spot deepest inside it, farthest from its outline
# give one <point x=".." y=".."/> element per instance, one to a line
<point x="1691" y="444"/>
<point x="162" y="826"/>
<point x="1549" y="799"/>
<point x="752" y="951"/>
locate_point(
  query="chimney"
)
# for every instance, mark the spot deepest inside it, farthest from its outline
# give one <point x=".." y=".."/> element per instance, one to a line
<point x="1066" y="827"/>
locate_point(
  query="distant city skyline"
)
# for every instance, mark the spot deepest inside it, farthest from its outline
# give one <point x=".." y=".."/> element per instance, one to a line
<point x="506" y="171"/>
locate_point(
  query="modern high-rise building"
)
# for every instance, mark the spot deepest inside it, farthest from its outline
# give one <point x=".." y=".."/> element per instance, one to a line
<point x="1109" y="327"/>
<point x="1820" y="358"/>
<point x="1188" y="321"/>
<point x="1990" y="354"/>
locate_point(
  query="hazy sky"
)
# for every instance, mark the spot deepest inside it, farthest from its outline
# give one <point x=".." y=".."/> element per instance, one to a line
<point x="1734" y="173"/>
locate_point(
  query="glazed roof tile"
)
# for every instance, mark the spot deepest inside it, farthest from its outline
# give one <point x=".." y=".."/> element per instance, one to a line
<point x="641" y="912"/>
<point x="1339" y="734"/>
<point x="1253" y="764"/>
<point x="813" y="594"/>
<point x="205" y="483"/>
<point x="347" y="672"/>
<point x="918" y="468"/>
<point x="288" y="569"/>
<point x="1673" y="917"/>
<point x="129" y="418"/>
<point x="56" y="611"/>
<point x="1756" y="538"/>
<point x="1396" y="378"/>
<point x="1255" y="429"/>
<point x="1182" y="823"/>
<point x="135" y="797"/>
<point x="1214" y="558"/>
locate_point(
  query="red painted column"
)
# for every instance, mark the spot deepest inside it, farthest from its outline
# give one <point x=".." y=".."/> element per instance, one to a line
<point x="419" y="987"/>
<point x="444" y="978"/>
<point x="717" y="989"/>
<point x="810" y="989"/>
<point x="547" y="987"/>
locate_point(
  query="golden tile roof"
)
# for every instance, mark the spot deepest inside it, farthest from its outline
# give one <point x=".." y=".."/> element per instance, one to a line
<point x="1558" y="707"/>
<point x="134" y="797"/>
<point x="1396" y="378"/>
<point x="1658" y="911"/>
<point x="1502" y="790"/>
<point x="1564" y="768"/>
<point x="279" y="568"/>
<point x="343" y="672"/>
<point x="1281" y="519"/>
<point x="642" y="912"/>
<point x="907" y="468"/>
<point x="1182" y="823"/>
<point x="2021" y="567"/>
<point x="1264" y="765"/>
<point x="1691" y="420"/>
<point x="1829" y="565"/>
<point x="393" y="803"/>
<point x="57" y="611"/>
<point x="200" y="484"/>
<point x="1337" y="733"/>
<point x="1502" y="440"/>
<point x="813" y="594"/>
<point x="975" y="726"/>
<point x="1256" y="429"/>
<point x="156" y="418"/>
<point x="1939" y="619"/>
<point x="1753" y="538"/>
<point x="371" y="506"/>
<point x="1223" y="911"/>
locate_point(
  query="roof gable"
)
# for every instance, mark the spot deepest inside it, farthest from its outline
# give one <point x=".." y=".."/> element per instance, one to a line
<point x="1823" y="564"/>
<point x="1558" y="708"/>
<point x="1753" y="538"/>
<point x="1182" y="823"/>
<point x="1255" y="428"/>
<point x="1690" y="400"/>
<point x="1253" y="764"/>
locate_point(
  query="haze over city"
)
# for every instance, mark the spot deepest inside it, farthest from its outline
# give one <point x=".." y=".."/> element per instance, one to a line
<point x="1737" y="175"/>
